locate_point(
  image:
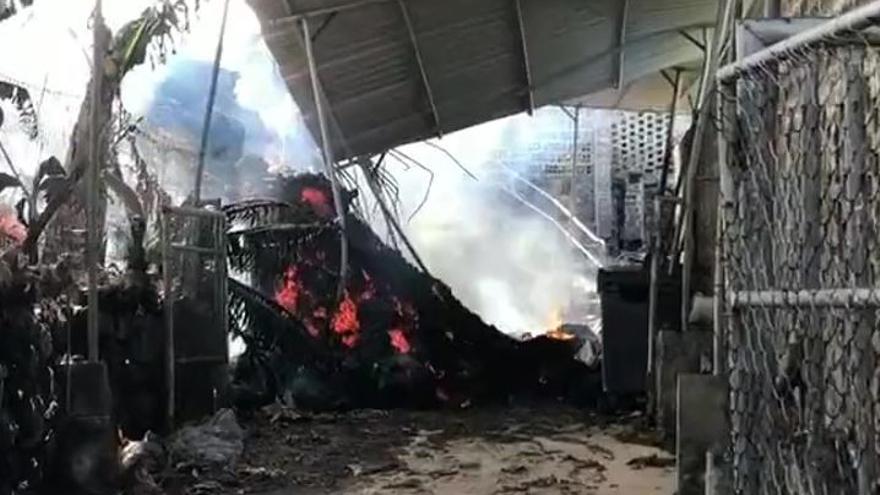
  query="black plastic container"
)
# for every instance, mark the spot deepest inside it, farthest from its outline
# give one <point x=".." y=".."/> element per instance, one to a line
<point x="624" y="296"/>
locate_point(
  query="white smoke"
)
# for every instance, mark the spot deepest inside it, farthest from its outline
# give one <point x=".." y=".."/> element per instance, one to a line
<point x="503" y="260"/>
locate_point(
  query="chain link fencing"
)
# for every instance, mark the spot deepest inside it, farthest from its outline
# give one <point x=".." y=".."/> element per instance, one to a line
<point x="801" y="194"/>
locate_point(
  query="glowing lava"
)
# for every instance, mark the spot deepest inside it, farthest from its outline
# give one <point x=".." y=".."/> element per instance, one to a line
<point x="399" y="341"/>
<point x="294" y="296"/>
<point x="345" y="321"/>
<point x="318" y="200"/>
<point x="287" y="294"/>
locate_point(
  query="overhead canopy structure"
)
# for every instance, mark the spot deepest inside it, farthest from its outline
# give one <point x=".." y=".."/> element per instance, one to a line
<point x="398" y="71"/>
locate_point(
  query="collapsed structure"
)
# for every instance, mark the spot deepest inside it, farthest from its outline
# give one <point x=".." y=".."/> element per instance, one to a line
<point x="396" y="336"/>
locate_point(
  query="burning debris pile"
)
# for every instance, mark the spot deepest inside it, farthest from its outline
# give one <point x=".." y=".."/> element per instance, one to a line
<point x="395" y="337"/>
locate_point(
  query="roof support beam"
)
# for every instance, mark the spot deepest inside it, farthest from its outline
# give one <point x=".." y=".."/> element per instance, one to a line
<point x="296" y="15"/>
<point x="418" y="53"/>
<point x="525" y="49"/>
<point x="621" y="43"/>
<point x="693" y="40"/>
<point x="328" y="156"/>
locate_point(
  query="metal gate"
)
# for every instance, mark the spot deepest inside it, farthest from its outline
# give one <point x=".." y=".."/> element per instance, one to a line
<point x="800" y="257"/>
<point x="196" y="314"/>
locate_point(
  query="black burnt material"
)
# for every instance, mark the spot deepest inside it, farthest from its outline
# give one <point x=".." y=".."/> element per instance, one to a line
<point x="398" y="337"/>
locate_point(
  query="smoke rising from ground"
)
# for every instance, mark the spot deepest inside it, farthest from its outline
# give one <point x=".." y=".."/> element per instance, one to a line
<point x="503" y="260"/>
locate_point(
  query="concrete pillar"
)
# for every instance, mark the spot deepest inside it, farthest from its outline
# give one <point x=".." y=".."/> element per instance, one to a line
<point x="85" y="459"/>
<point x="702" y="429"/>
<point x="677" y="352"/>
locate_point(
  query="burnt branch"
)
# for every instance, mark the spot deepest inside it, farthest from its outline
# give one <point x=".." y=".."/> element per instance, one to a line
<point x="271" y="246"/>
<point x="257" y="212"/>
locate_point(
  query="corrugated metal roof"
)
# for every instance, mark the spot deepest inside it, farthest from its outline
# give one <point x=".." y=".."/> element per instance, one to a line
<point x="482" y="59"/>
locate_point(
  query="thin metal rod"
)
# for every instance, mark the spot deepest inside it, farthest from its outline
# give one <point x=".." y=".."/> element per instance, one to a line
<point x="221" y="261"/>
<point x="209" y="111"/>
<point x="694" y="41"/>
<point x="653" y="288"/>
<point x="418" y="53"/>
<point x="670" y="133"/>
<point x="169" y="296"/>
<point x="555" y="202"/>
<point x="525" y="51"/>
<point x="842" y="297"/>
<point x="92" y="177"/>
<point x="621" y="43"/>
<point x="856" y="19"/>
<point x="328" y="158"/>
<point x="572" y="191"/>
<point x="568" y="235"/>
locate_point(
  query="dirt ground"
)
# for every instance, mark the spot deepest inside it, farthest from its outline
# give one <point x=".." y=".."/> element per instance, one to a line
<point x="538" y="450"/>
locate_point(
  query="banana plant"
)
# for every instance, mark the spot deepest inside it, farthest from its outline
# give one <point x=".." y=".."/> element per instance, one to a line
<point x="127" y="49"/>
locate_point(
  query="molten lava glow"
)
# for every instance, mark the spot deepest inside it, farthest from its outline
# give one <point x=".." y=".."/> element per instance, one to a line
<point x="345" y="321"/>
<point x="318" y="200"/>
<point x="399" y="341"/>
<point x="287" y="294"/>
<point x="294" y="295"/>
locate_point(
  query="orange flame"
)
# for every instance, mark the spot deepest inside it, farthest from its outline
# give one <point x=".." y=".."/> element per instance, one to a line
<point x="556" y="330"/>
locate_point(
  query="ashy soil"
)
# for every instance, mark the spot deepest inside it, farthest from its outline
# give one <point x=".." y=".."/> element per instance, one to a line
<point x="534" y="450"/>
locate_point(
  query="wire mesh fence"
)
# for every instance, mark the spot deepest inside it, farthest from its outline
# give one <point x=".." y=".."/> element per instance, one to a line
<point x="801" y="141"/>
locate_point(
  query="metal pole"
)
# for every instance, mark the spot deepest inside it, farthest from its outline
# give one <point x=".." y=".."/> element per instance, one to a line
<point x="725" y="11"/>
<point x="525" y="51"/>
<point x="420" y="62"/>
<point x="209" y="112"/>
<point x="725" y="109"/>
<point x="670" y="134"/>
<point x="328" y="157"/>
<point x="621" y="43"/>
<point x="854" y="20"/>
<point x="169" y="295"/>
<point x="93" y="237"/>
<point x="572" y="192"/>
<point x="840" y="297"/>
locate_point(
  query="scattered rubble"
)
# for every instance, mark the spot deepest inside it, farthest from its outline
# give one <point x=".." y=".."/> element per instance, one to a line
<point x="651" y="461"/>
<point x="218" y="441"/>
<point x="541" y="450"/>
